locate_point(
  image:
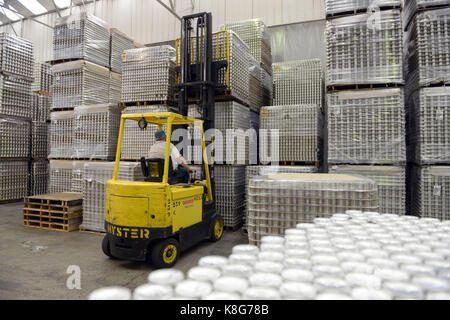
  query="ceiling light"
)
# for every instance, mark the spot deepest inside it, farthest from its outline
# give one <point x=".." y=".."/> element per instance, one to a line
<point x="34" y="6"/>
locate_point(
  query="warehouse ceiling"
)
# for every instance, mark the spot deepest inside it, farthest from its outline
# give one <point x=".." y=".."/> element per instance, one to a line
<point x="16" y="10"/>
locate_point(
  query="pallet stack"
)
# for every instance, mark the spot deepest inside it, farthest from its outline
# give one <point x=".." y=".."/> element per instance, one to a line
<point x="428" y="106"/>
<point x="16" y="70"/>
<point x="365" y="99"/>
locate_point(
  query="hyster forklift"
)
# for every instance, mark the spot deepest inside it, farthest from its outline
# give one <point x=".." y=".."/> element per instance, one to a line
<point x="156" y="219"/>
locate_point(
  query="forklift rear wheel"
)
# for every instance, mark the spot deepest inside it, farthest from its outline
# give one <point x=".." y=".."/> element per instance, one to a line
<point x="217" y="229"/>
<point x="164" y="253"/>
<point x="105" y="247"/>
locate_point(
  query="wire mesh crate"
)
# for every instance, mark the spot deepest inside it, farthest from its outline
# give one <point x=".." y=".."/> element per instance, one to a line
<point x="391" y="183"/>
<point x="430" y="191"/>
<point x="15" y="96"/>
<point x="115" y="88"/>
<point x="227" y="46"/>
<point x="13" y="180"/>
<point x="334" y="7"/>
<point x="411" y="7"/>
<point x="255" y="92"/>
<point x="298" y="82"/>
<point x="16" y="55"/>
<point x="362" y="53"/>
<point x="95" y="176"/>
<point x="42" y="77"/>
<point x="79" y="83"/>
<point x="66" y="176"/>
<point x="96" y="130"/>
<point x="14" y="138"/>
<point x="136" y="143"/>
<point x="256" y="36"/>
<point x="119" y="43"/>
<point x="39" y="140"/>
<point x="148" y="74"/>
<point x="61" y="134"/>
<point x="230" y="194"/>
<point x="300" y="135"/>
<point x="366" y="127"/>
<point x="39" y="176"/>
<point x="266" y="88"/>
<point x="429" y="132"/>
<point x="281" y="201"/>
<point x="40" y="107"/>
<point x="82" y="36"/>
<point x="428" y="51"/>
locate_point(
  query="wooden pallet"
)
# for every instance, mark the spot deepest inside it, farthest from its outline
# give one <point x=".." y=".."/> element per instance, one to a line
<point x="298" y="163"/>
<point x="233" y="228"/>
<point x="99" y="233"/>
<point x="62" y="109"/>
<point x="147" y="103"/>
<point x="358" y="11"/>
<point x="51" y="226"/>
<point x="341" y="87"/>
<point x="43" y="93"/>
<point x="62" y="199"/>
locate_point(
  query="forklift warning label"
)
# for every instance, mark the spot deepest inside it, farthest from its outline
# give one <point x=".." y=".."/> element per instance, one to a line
<point x="128" y="233"/>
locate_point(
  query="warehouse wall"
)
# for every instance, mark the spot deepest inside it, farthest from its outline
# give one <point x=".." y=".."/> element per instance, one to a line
<point x="147" y="21"/>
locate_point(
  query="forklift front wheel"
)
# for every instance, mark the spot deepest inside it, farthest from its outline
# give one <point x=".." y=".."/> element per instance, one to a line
<point x="217" y="229"/>
<point x="164" y="253"/>
<point x="105" y="247"/>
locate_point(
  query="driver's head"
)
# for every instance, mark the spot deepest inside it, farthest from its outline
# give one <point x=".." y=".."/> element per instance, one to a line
<point x="160" y="135"/>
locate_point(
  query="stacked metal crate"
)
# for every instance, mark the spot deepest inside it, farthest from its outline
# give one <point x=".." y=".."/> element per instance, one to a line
<point x="365" y="49"/>
<point x="136" y="143"/>
<point x="255" y="94"/>
<point x="298" y="82"/>
<point x="79" y="83"/>
<point x="390" y="182"/>
<point x="256" y="36"/>
<point x="39" y="176"/>
<point x="61" y="134"/>
<point x="115" y="88"/>
<point x="299" y="130"/>
<point x="95" y="132"/>
<point x="148" y="74"/>
<point x="16" y="68"/>
<point x="42" y="77"/>
<point x="95" y="176"/>
<point x="119" y="43"/>
<point x="82" y="36"/>
<point x="428" y="106"/>
<point x="281" y="201"/>
<point x="40" y="107"/>
<point x="66" y="176"/>
<point x="334" y="7"/>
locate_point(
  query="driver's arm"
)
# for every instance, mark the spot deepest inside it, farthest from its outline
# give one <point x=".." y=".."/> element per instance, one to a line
<point x="180" y="160"/>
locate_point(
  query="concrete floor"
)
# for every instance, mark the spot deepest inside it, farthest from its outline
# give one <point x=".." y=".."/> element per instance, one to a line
<point x="34" y="262"/>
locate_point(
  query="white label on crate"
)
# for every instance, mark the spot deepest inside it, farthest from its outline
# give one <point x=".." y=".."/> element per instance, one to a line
<point x="437" y="191"/>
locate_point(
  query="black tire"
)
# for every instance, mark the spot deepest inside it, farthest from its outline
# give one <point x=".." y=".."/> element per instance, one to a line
<point x="105" y="247"/>
<point x="216" y="235"/>
<point x="165" y="253"/>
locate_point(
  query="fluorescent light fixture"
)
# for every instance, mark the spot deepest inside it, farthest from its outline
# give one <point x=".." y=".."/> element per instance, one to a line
<point x="62" y="3"/>
<point x="34" y="6"/>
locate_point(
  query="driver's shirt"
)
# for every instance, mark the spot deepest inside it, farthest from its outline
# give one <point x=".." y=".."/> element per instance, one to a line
<point x="158" y="151"/>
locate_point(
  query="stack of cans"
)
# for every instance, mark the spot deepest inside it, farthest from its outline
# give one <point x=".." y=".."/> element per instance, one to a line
<point x="334" y="7"/>
<point x="39" y="140"/>
<point x="16" y="55"/>
<point x="148" y="74"/>
<point x="298" y="82"/>
<point x="266" y="88"/>
<point x="281" y="201"/>
<point x="96" y="130"/>
<point x="391" y="183"/>
<point x="14" y="137"/>
<point x="79" y="83"/>
<point x="15" y="96"/>
<point x="257" y="37"/>
<point x="115" y="88"/>
<point x="136" y="143"/>
<point x="410" y="8"/>
<point x="95" y="176"/>
<point x="39" y="177"/>
<point x="230" y="194"/>
<point x="366" y="127"/>
<point x="119" y="43"/>
<point x="61" y="134"/>
<point x="13" y="179"/>
<point x="428" y="55"/>
<point x="82" y="36"/>
<point x="353" y="256"/>
<point x="42" y="77"/>
<point x="255" y="97"/>
<point x="40" y="107"/>
<point x="430" y="191"/>
<point x="359" y="52"/>
<point x="66" y="176"/>
<point x="300" y="132"/>
<point x="429" y="118"/>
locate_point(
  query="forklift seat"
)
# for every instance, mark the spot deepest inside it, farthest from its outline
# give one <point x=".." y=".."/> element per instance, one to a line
<point x="153" y="170"/>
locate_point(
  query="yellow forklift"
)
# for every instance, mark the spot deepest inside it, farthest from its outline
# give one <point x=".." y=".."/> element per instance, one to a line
<point x="156" y="219"/>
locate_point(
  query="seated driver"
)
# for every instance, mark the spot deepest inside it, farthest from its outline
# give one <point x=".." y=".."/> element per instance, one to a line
<point x="157" y="151"/>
